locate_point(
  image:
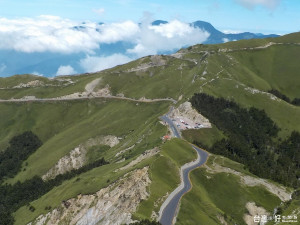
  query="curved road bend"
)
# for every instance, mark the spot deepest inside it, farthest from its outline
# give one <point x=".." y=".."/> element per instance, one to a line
<point x="169" y="211"/>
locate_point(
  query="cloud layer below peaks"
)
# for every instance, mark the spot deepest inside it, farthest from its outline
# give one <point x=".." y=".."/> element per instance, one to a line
<point x="59" y="35"/>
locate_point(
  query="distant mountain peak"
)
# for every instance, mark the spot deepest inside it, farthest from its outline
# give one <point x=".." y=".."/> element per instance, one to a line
<point x="216" y="36"/>
<point x="159" y="22"/>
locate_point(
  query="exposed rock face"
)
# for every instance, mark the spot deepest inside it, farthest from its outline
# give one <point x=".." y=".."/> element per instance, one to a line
<point x="74" y="160"/>
<point x="77" y="157"/>
<point x="112" y="205"/>
<point x="34" y="83"/>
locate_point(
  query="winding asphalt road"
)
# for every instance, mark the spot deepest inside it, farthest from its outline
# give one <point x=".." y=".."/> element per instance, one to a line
<point x="169" y="209"/>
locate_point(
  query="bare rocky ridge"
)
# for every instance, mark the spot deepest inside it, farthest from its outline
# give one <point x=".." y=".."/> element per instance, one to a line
<point x="77" y="157"/>
<point x="112" y="205"/>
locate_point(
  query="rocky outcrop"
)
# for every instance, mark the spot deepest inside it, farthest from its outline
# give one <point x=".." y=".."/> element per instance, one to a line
<point x="112" y="205"/>
<point x="34" y="83"/>
<point x="76" y="158"/>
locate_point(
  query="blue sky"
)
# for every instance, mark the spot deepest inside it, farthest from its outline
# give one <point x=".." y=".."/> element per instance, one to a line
<point x="267" y="16"/>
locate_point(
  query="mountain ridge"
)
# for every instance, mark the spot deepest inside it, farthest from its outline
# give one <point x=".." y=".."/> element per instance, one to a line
<point x="48" y="63"/>
<point x="217" y="36"/>
<point x="241" y="71"/>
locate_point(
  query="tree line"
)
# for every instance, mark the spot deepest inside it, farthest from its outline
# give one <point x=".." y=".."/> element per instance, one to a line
<point x="252" y="139"/>
<point x="146" y="222"/>
<point x="278" y="94"/>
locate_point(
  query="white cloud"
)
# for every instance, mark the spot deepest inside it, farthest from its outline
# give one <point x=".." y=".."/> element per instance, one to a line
<point x="55" y="34"/>
<point x="93" y="64"/>
<point x="166" y="37"/>
<point x="65" y="70"/>
<point x="2" y="67"/>
<point x="100" y="11"/>
<point x="225" y="40"/>
<point x="58" y="35"/>
<point x="124" y="31"/>
<point x="231" y="31"/>
<point x="37" y="73"/>
<point x="250" y="4"/>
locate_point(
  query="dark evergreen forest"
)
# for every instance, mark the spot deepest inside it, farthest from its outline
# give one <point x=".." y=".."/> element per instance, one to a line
<point x="252" y="139"/>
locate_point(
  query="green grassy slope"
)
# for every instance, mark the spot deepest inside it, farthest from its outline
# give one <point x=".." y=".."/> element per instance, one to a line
<point x="163" y="173"/>
<point x="50" y="89"/>
<point x="63" y="126"/>
<point x="221" y="195"/>
<point x="269" y="64"/>
<point x="232" y="70"/>
<point x="237" y="75"/>
<point x="206" y="136"/>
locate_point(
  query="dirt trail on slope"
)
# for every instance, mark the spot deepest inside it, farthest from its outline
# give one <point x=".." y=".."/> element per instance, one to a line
<point x="89" y="93"/>
<point x="91" y="86"/>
